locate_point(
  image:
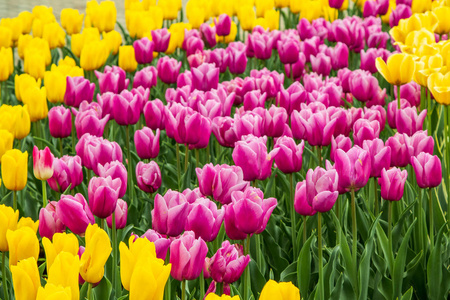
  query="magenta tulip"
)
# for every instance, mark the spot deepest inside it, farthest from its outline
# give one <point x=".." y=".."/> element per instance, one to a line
<point x="168" y="69"/>
<point x="148" y="176"/>
<point x="399" y="150"/>
<point x="146" y="78"/>
<point x="289" y="158"/>
<point x="60" y="122"/>
<point x="301" y="205"/>
<point x="205" y="77"/>
<point x="170" y="213"/>
<point x="204" y="219"/>
<point x="143" y="50"/>
<point x="161" y="39"/>
<point x="380" y="156"/>
<point x="74" y="212"/>
<point x="154" y="114"/>
<point x="113" y="79"/>
<point x="147" y="143"/>
<point x="121" y="212"/>
<point x="78" y="89"/>
<point x="208" y="35"/>
<point x="408" y="121"/>
<point x="228" y="263"/>
<point x="223" y="25"/>
<point x="353" y="168"/>
<point x="419" y="142"/>
<point x="428" y="170"/>
<point x="103" y="195"/>
<point x="126" y="108"/>
<point x="340" y="142"/>
<point x="321" y="188"/>
<point x="90" y="122"/>
<point x="67" y="171"/>
<point x="116" y="170"/>
<point x="392" y="183"/>
<point x="49" y="221"/>
<point x="365" y="130"/>
<point x="162" y="243"/>
<point x="42" y="163"/>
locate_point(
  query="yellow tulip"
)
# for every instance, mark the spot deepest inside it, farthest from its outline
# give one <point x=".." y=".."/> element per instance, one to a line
<point x="426" y="20"/>
<point x="14" y="169"/>
<point x="127" y="60"/>
<point x="138" y="23"/>
<point x="71" y="20"/>
<point x="282" y="3"/>
<point x="145" y="3"/>
<point x="295" y="6"/>
<point x="113" y="40"/>
<point x="26" y="279"/>
<point x="283" y="290"/>
<point x="178" y="28"/>
<point x="8" y="221"/>
<point x="223" y="7"/>
<point x="64" y="272"/>
<point x="36" y="101"/>
<point x="262" y="6"/>
<point x="6" y="141"/>
<point x="5" y="37"/>
<point x="80" y="40"/>
<point x="28" y="222"/>
<point x="399" y="69"/>
<point x="23" y="42"/>
<point x="22" y="122"/>
<point x="174" y="42"/>
<point x="156" y="13"/>
<point x="34" y="64"/>
<point x="442" y="95"/>
<point x="55" y="84"/>
<point x="6" y="63"/>
<point x="23" y="243"/>
<point x="53" y="292"/>
<point x="420" y="37"/>
<point x="26" y="18"/>
<point x="438" y="84"/>
<point x="233" y="32"/>
<point x="7" y="119"/>
<point x="443" y="15"/>
<point x="94" y="55"/>
<point x="247" y="17"/>
<point x="67" y="61"/>
<point x="66" y="242"/>
<point x="314" y="10"/>
<point x="420" y="6"/>
<point x="212" y="296"/>
<point x="103" y="16"/>
<point x="41" y="46"/>
<point x="22" y="82"/>
<point x="98" y="249"/>
<point x="15" y="24"/>
<point x="54" y="35"/>
<point x="42" y="11"/>
<point x="261" y="22"/>
<point x="195" y="14"/>
<point x="170" y="9"/>
<point x="272" y="17"/>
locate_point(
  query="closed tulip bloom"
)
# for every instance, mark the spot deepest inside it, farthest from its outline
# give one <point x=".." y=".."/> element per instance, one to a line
<point x="6" y="37"/>
<point x="103" y="195"/>
<point x="113" y="40"/>
<point x="380" y="156"/>
<point x="55" y="84"/>
<point x="419" y="142"/>
<point x="321" y="64"/>
<point x="353" y="168"/>
<point x="205" y="77"/>
<point x="94" y="55"/>
<point x="223" y="25"/>
<point x="6" y="60"/>
<point x="22" y="243"/>
<point x="254" y="99"/>
<point x="22" y="82"/>
<point x="147" y="143"/>
<point x="121" y="213"/>
<point x="67" y="171"/>
<point x="154" y="114"/>
<point x="168" y="69"/>
<point x="301" y="204"/>
<point x="143" y="50"/>
<point x="236" y="60"/>
<point x="36" y="101"/>
<point x="49" y="222"/>
<point x="208" y="35"/>
<point x="410" y="92"/>
<point x="61" y="242"/>
<point x="262" y="45"/>
<point x="399" y="150"/>
<point x="14" y="169"/>
<point x="127" y="60"/>
<point x="113" y="79"/>
<point x="148" y="176"/>
<point x="161" y="38"/>
<point x="146" y="78"/>
<point x="89" y="122"/>
<point x="365" y="130"/>
<point x="392" y="183"/>
<point x="116" y="170"/>
<point x="65" y="272"/>
<point x="340" y="142"/>
<point x="289" y="158"/>
<point x="363" y="86"/>
<point x="187" y="255"/>
<point x="126" y="108"/>
<point x="282" y="290"/>
<point x="228" y="263"/>
<point x="170" y="213"/>
<point x="204" y="219"/>
<point x="398" y="70"/>
<point x="74" y="212"/>
<point x="319" y="128"/>
<point x="392" y="110"/>
<point x="292" y="97"/>
<point x="6" y="142"/>
<point x="98" y="249"/>
<point x="34" y="64"/>
<point x="51" y="290"/>
<point x="54" y="35"/>
<point x="408" y="121"/>
<point x="162" y="244"/>
<point x="321" y="188"/>
<point x="8" y="221"/>
<point x="26" y="279"/>
<point x="42" y="163"/>
<point x="428" y="170"/>
<point x="60" y="122"/>
<point x="71" y="20"/>
<point x="78" y="89"/>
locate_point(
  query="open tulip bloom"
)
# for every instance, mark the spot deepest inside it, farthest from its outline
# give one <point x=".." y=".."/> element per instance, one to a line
<point x="231" y="149"/>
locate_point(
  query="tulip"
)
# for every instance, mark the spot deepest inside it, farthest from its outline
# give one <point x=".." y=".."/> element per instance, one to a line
<point x="49" y="222"/>
<point x="22" y="244"/>
<point x="380" y="156"/>
<point x="187" y="255"/>
<point x="147" y="144"/>
<point x="363" y="86"/>
<point x="225" y="131"/>
<point x="26" y="279"/>
<point x="223" y="25"/>
<point x="23" y="82"/>
<point x="289" y="157"/>
<point x="36" y="102"/>
<point x="67" y="171"/>
<point x="236" y="60"/>
<point x="6" y="142"/>
<point x="398" y="70"/>
<point x="51" y="290"/>
<point x="65" y="272"/>
<point x="170" y="213"/>
<point x="408" y="121"/>
<point x="275" y="119"/>
<point x="400" y="12"/>
<point x="248" y="213"/>
<point x="162" y="244"/>
<point x="410" y="92"/>
<point x="228" y="263"/>
<point x="282" y="290"/>
<point x="254" y="99"/>
<point x="321" y="189"/>
<point x="113" y="79"/>
<point x="71" y="20"/>
<point x="251" y="155"/>
<point x="113" y="40"/>
<point x="126" y="108"/>
<point x="292" y="97"/>
<point x="143" y="50"/>
<point x="60" y="122"/>
<point x="168" y="69"/>
<point x="103" y="195"/>
<point x="6" y="69"/>
<point x="301" y="204"/>
<point x="89" y="122"/>
<point x="204" y="219"/>
<point x="78" y="89"/>
<point x="6" y="37"/>
<point x="116" y="170"/>
<point x="262" y="45"/>
<point x="319" y="128"/>
<point x="127" y="60"/>
<point x="365" y="130"/>
<point x="205" y="77"/>
<point x="98" y="249"/>
<point x="419" y="142"/>
<point x="353" y="168"/>
<point x="392" y="183"/>
<point x="154" y="114"/>
<point x="146" y="78"/>
<point x="55" y="85"/>
<point x="148" y="176"/>
<point x="208" y="35"/>
<point x="94" y="55"/>
<point x="121" y="212"/>
<point x="289" y="51"/>
<point x="428" y="170"/>
<point x="212" y="296"/>
<point x="74" y="212"/>
<point x="42" y="163"/>
<point x="14" y="169"/>
<point x="61" y="242"/>
<point x="8" y="221"/>
<point x="161" y="39"/>
<point x="340" y="142"/>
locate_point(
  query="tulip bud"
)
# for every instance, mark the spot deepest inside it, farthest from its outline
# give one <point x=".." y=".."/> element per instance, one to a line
<point x="103" y="195"/>
<point x="353" y="168"/>
<point x="8" y="221"/>
<point x="26" y="279"/>
<point x="147" y="144"/>
<point x="289" y="157"/>
<point x="301" y="205"/>
<point x="22" y="244"/>
<point x="204" y="219"/>
<point x="74" y="212"/>
<point x="428" y="170"/>
<point x="42" y="163"/>
<point x="321" y="188"/>
<point x="121" y="212"/>
<point x="143" y="50"/>
<point x="392" y="183"/>
<point x="161" y="38"/>
<point x="285" y="290"/>
<point x="148" y="176"/>
<point x="14" y="169"/>
<point x="60" y="122"/>
<point x="170" y="213"/>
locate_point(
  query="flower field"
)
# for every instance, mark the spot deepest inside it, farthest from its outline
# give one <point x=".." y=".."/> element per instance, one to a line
<point x="252" y="149"/>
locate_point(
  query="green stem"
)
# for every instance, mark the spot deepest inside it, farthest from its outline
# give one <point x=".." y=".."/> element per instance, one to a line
<point x="178" y="165"/>
<point x="319" y="155"/>
<point x="186" y="158"/>
<point x="398" y="96"/>
<point x="304" y="229"/>
<point x="355" y="234"/>
<point x="219" y="288"/>
<point x="258" y="252"/>
<point x="447" y="166"/>
<point x="375" y="192"/>
<point x="89" y="292"/>
<point x="292" y="73"/>
<point x="293" y="222"/>
<point x="202" y="285"/>
<point x="115" y="282"/>
<point x="247" y="270"/>
<point x="44" y="193"/>
<point x="130" y="174"/>
<point x="60" y="147"/>
<point x="73" y="135"/>
<point x="15" y="200"/>
<point x="319" y="231"/>
<point x="196" y="157"/>
<point x="390" y="225"/>
<point x="5" y="288"/>
<point x="420" y="217"/>
<point x="429" y="113"/>
<point x="183" y="289"/>
<point x="430" y="204"/>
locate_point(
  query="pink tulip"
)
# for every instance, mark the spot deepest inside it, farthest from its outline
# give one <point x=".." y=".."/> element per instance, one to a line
<point x="89" y="122"/>
<point x="161" y="39"/>
<point x="42" y="163"/>
<point x="170" y="213"/>
<point x="113" y="79"/>
<point x="147" y="143"/>
<point x="146" y="78"/>
<point x="380" y="156"/>
<point x="205" y="77"/>
<point x="148" y="176"/>
<point x="143" y="50"/>
<point x="392" y="183"/>
<point x="121" y="212"/>
<point x="78" y="89"/>
<point x="301" y="205"/>
<point x="154" y="114"/>
<point x="162" y="243"/>
<point x="289" y="158"/>
<point x="116" y="170"/>
<point x="204" y="219"/>
<point x="365" y="130"/>
<point x="392" y="110"/>
<point x="223" y="25"/>
<point x="340" y="142"/>
<point x="292" y="97"/>
<point x="208" y="35"/>
<point x="321" y="188"/>
<point x="74" y="212"/>
<point x="126" y="108"/>
<point x="319" y="128"/>
<point x="67" y="171"/>
<point x="49" y="221"/>
<point x="408" y="121"/>
<point x="419" y="142"/>
<point x="399" y="150"/>
<point x="321" y="64"/>
<point x="228" y="263"/>
<point x="353" y="168"/>
<point x="60" y="122"/>
<point x="428" y="170"/>
<point x="103" y="195"/>
<point x="168" y="69"/>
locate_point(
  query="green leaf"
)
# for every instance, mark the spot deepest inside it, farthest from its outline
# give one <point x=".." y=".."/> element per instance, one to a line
<point x="257" y="279"/>
<point x="290" y="273"/>
<point x="364" y="265"/>
<point x="103" y="290"/>
<point x="384" y="244"/>
<point x="434" y="270"/>
<point x="408" y="294"/>
<point x="304" y="267"/>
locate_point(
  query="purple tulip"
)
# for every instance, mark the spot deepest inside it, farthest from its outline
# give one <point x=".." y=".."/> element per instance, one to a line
<point x="143" y="50"/>
<point x="168" y="69"/>
<point x="115" y="170"/>
<point x="408" y="121"/>
<point x="340" y="142"/>
<point x="204" y="219"/>
<point x="154" y="114"/>
<point x="148" y="176"/>
<point x="60" y="122"/>
<point x="162" y="243"/>
<point x="223" y="25"/>
<point x="350" y="32"/>
<point x="146" y="78"/>
<point x="370" y="8"/>
<point x="106" y="104"/>
<point x="78" y="89"/>
<point x="49" y="221"/>
<point x="225" y="131"/>
<point x="228" y="263"/>
<point x="121" y="212"/>
<point x="248" y="213"/>
<point x="399" y="150"/>
<point x="74" y="212"/>
<point x="419" y="142"/>
<point x="400" y="12"/>
<point x="410" y="92"/>
<point x="301" y="205"/>
<point x="262" y="45"/>
<point x="147" y="143"/>
<point x="383" y="7"/>
<point x="321" y="64"/>
<point x="103" y="195"/>
<point x="187" y="255"/>
<point x="428" y="170"/>
<point x="67" y="171"/>
<point x="363" y="85"/>
<point x="297" y="68"/>
<point x="379" y="40"/>
<point x="113" y="79"/>
<point x="392" y="183"/>
<point x="193" y="45"/>
<point x="321" y="188"/>
<point x="353" y="168"/>
<point x="170" y="213"/>
<point x="254" y="99"/>
<point x="208" y="35"/>
<point x="205" y="77"/>
<point x="380" y="156"/>
<point x="288" y="50"/>
<point x="161" y="39"/>
<point x="365" y="130"/>
<point x="335" y="3"/>
<point x="89" y="122"/>
<point x="319" y="128"/>
<point x="236" y="60"/>
<point x="392" y="109"/>
<point x="368" y="60"/>
<point x="289" y="158"/>
<point x="127" y="108"/>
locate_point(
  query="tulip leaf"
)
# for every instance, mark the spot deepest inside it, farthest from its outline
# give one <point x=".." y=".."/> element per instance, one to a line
<point x="103" y="290"/>
<point x="329" y="272"/>
<point x="384" y="244"/>
<point x="436" y="287"/>
<point x="396" y="231"/>
<point x="67" y="191"/>
<point x="364" y="265"/>
<point x="290" y="273"/>
<point x="257" y="279"/>
<point x="408" y="294"/>
<point x="47" y="143"/>
<point x="304" y="267"/>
